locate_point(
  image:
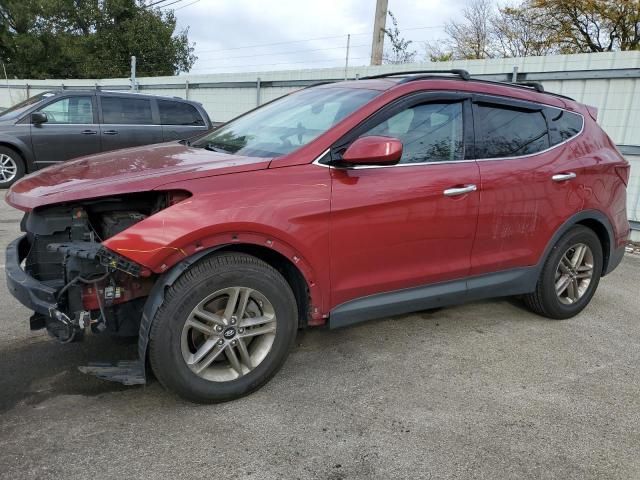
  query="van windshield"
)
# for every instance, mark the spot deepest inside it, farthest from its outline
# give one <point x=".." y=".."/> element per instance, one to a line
<point x="19" y="108"/>
<point x="286" y="124"/>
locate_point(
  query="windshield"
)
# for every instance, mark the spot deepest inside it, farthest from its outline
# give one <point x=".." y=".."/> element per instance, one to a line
<point x="21" y="107"/>
<point x="285" y="125"/>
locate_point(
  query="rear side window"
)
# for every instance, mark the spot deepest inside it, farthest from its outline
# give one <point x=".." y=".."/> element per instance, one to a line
<point x="129" y="111"/>
<point x="177" y="113"/>
<point x="503" y="131"/>
<point x="563" y="125"/>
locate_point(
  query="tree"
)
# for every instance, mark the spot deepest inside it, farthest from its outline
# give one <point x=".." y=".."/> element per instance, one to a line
<point x="400" y="52"/>
<point x="522" y="31"/>
<point x="471" y="37"/>
<point x="594" y="25"/>
<point x="90" y="39"/>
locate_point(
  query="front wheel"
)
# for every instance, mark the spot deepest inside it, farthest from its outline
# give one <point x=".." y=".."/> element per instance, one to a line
<point x="570" y="275"/>
<point x="225" y="328"/>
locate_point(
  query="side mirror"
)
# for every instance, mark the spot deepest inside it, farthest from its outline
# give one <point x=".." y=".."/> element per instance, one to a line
<point x="38" y="117"/>
<point x="374" y="150"/>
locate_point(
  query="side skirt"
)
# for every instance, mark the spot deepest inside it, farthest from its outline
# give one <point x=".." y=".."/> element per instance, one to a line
<point x="500" y="284"/>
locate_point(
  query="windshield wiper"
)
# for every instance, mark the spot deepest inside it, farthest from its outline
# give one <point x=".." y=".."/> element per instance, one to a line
<point x="212" y="147"/>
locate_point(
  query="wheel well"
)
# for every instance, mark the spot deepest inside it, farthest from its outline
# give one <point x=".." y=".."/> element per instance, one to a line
<point x="603" y="235"/>
<point x="287" y="269"/>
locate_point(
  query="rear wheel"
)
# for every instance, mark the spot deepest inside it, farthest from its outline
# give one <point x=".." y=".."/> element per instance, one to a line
<point x="224" y="330"/>
<point x="11" y="167"/>
<point x="570" y="275"/>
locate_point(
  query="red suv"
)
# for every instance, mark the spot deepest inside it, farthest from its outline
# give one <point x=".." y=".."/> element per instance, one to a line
<point x="332" y="205"/>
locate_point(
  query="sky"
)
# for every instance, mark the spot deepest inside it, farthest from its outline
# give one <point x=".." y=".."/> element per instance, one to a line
<point x="259" y="35"/>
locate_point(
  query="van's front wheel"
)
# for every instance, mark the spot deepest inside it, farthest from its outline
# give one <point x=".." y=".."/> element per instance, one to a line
<point x="225" y="328"/>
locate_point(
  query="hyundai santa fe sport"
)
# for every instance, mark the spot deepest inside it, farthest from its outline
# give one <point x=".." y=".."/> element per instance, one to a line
<point x="332" y="205"/>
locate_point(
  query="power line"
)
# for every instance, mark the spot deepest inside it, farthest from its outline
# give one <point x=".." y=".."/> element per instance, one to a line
<point x="154" y="3"/>
<point x="312" y="39"/>
<point x="274" y="64"/>
<point x="342" y="47"/>
<point x="185" y="6"/>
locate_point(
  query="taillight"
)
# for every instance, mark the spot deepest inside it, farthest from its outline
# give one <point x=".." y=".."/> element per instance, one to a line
<point x="623" y="172"/>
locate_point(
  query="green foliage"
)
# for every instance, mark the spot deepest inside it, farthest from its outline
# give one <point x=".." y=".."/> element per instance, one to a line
<point x="400" y="51"/>
<point x="90" y="39"/>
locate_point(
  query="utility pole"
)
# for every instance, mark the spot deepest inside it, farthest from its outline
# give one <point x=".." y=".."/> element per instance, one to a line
<point x="379" y="24"/>
<point x="134" y="87"/>
<point x="346" y="61"/>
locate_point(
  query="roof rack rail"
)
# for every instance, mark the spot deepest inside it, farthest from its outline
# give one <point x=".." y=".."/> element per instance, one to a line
<point x="463" y="74"/>
<point x="537" y="86"/>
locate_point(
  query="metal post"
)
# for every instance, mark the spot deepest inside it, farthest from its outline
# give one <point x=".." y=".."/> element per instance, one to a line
<point x="27" y="89"/>
<point x="133" y="73"/>
<point x="346" y="61"/>
<point x="186" y="89"/>
<point x="258" y="92"/>
<point x="379" y="24"/>
<point x="514" y="75"/>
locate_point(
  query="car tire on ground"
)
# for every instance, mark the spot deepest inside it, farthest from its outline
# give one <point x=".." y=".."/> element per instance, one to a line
<point x="12" y="167"/>
<point x="570" y="275"/>
<point x="224" y="329"/>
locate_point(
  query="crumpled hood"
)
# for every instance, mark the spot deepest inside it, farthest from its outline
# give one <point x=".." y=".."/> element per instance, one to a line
<point x="124" y="171"/>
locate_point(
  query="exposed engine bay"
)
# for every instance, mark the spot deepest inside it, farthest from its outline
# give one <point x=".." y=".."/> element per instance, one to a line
<point x="94" y="287"/>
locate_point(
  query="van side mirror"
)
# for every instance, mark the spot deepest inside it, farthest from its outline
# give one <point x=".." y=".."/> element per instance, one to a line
<point x="374" y="150"/>
<point x="39" y="117"/>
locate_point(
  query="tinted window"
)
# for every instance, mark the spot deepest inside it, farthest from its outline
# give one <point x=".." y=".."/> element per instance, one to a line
<point x="562" y="124"/>
<point x="177" y="113"/>
<point x="132" y="111"/>
<point x="430" y="132"/>
<point x="509" y="132"/>
<point x="78" y="110"/>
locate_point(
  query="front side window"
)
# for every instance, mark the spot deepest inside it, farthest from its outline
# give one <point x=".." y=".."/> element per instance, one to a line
<point x="178" y="113"/>
<point x="286" y="124"/>
<point x="126" y="111"/>
<point x="70" y="110"/>
<point x="431" y="132"/>
<point x="503" y="131"/>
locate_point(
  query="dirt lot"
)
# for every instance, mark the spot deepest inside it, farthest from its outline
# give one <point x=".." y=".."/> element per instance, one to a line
<point x="485" y="390"/>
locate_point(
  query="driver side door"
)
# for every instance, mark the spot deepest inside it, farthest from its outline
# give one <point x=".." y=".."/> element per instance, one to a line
<point x="412" y="224"/>
<point x="71" y="130"/>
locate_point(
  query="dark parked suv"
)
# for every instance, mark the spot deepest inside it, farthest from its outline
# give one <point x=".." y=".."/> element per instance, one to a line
<point x="55" y="126"/>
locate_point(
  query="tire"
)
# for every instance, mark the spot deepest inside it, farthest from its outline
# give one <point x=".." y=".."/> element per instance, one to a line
<point x="207" y="288"/>
<point x="12" y="167"/>
<point x="546" y="300"/>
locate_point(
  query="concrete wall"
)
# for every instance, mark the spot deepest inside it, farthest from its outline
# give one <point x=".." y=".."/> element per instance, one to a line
<point x="608" y="81"/>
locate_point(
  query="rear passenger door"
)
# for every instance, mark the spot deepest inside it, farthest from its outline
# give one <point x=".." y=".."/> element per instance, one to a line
<point x="180" y="120"/>
<point x="520" y="147"/>
<point x="127" y="121"/>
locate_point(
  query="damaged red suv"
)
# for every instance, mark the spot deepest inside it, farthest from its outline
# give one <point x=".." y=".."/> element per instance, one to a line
<point x="333" y="205"/>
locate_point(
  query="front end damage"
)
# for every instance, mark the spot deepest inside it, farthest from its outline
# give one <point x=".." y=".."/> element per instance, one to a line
<point x="61" y="271"/>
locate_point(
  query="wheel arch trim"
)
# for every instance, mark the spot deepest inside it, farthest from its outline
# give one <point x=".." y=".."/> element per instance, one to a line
<point x="579" y="219"/>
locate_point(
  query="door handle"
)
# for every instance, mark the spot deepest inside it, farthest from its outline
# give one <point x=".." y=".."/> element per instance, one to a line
<point x="563" y="177"/>
<point x="452" y="192"/>
<point x="110" y="132"/>
<point x="89" y="132"/>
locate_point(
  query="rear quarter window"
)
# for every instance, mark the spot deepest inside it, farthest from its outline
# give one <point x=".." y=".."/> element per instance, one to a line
<point x="178" y="113"/>
<point x="563" y="125"/>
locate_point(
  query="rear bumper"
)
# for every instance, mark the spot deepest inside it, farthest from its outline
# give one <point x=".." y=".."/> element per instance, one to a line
<point x="30" y="292"/>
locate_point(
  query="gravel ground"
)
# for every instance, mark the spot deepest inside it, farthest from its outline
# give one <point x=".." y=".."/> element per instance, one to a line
<point x="485" y="390"/>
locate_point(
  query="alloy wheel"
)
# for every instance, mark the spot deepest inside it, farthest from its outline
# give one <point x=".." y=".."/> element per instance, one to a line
<point x="228" y="334"/>
<point x="574" y="273"/>
<point x="8" y="168"/>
